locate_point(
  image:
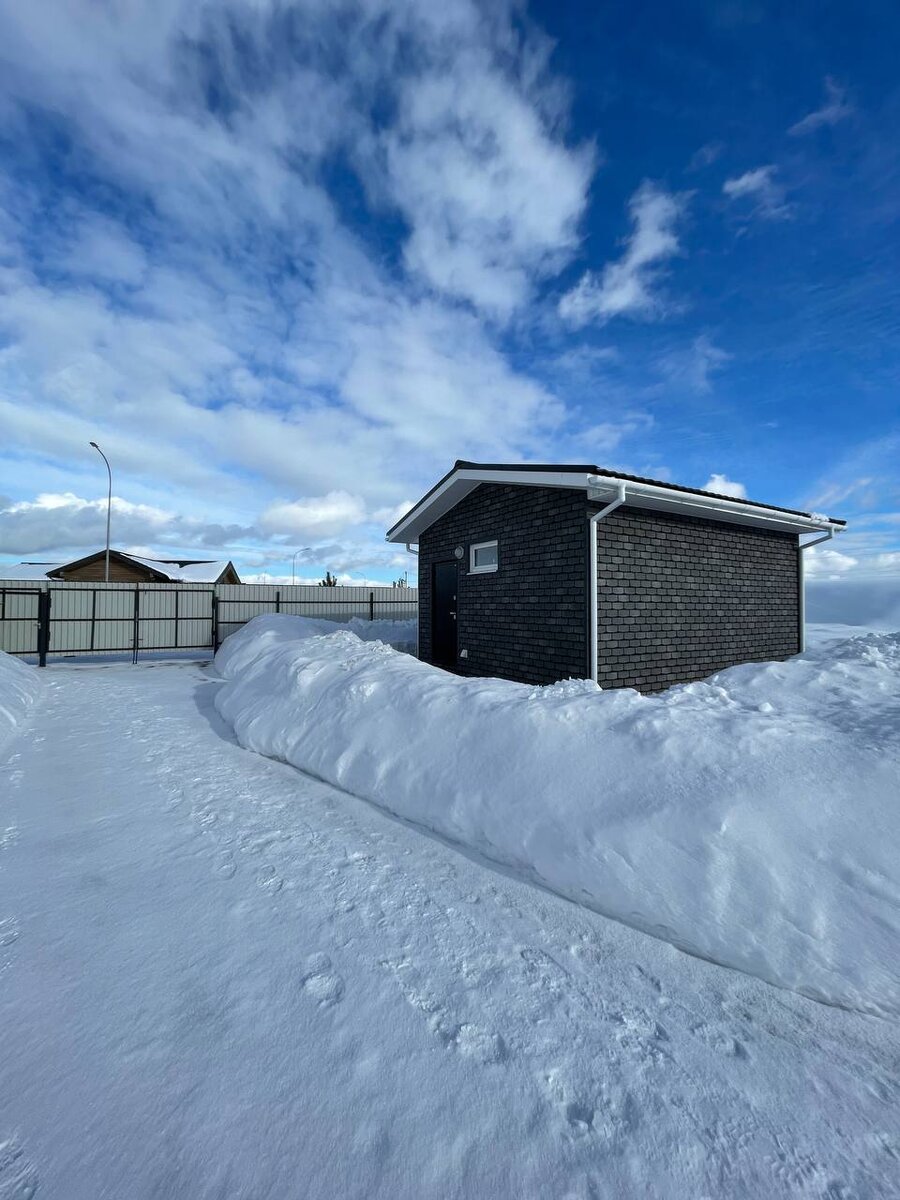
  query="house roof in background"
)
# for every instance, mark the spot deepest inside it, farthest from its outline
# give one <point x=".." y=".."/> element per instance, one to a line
<point x="27" y="570"/>
<point x="185" y="570"/>
<point x="601" y="483"/>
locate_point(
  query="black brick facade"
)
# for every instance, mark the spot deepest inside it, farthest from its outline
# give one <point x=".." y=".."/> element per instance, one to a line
<point x="527" y="620"/>
<point x="682" y="597"/>
<point x="678" y="597"/>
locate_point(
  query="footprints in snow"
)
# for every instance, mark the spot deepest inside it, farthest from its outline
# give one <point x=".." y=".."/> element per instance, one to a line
<point x="320" y="982"/>
<point x="602" y="1112"/>
<point x="225" y="866"/>
<point x="719" y="1039"/>
<point x="464" y="1036"/>
<point x="267" y="880"/>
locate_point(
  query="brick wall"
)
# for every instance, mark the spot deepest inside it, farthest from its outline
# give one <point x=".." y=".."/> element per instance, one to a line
<point x="682" y="597"/>
<point x="678" y="597"/>
<point x="527" y="620"/>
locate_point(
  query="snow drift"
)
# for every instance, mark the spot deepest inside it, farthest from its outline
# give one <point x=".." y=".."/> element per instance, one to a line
<point x="263" y="632"/>
<point x="752" y="819"/>
<point x="19" y="688"/>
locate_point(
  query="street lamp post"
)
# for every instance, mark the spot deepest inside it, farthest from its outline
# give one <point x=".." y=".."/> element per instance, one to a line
<point x="108" y="503"/>
<point x="294" y="563"/>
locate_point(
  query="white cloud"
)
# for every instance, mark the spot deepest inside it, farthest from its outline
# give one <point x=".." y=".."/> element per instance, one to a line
<point x="695" y="366"/>
<point x="315" y="516"/>
<point x="68" y="524"/>
<point x="492" y="197"/>
<point x="223" y="333"/>
<point x="832" y="493"/>
<point x="821" y="563"/>
<point x="705" y="156"/>
<point x="765" y="193"/>
<point x="388" y="517"/>
<point x="835" y="109"/>
<point x="723" y="486"/>
<point x="100" y="249"/>
<point x="628" y="287"/>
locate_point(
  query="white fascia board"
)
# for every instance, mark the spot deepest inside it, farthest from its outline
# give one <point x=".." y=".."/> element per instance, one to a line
<point x="645" y="495"/>
<point x="604" y="488"/>
<point x="464" y="481"/>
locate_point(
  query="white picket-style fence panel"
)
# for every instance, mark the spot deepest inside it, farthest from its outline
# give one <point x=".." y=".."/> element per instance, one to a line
<point x="88" y="618"/>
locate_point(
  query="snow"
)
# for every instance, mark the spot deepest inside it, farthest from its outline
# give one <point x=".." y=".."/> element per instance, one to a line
<point x="10" y="571"/>
<point x="222" y="979"/>
<point x="199" y="572"/>
<point x="269" y="630"/>
<point x="20" y="686"/>
<point x="751" y="819"/>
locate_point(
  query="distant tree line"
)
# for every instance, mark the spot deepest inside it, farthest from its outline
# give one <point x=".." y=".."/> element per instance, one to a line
<point x="331" y="581"/>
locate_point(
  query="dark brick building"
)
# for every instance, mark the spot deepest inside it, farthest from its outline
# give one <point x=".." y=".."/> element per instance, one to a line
<point x="539" y="573"/>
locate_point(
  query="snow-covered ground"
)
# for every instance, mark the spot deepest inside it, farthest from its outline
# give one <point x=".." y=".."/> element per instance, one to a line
<point x="752" y="818"/>
<point x="20" y="686"/>
<point x="220" y="977"/>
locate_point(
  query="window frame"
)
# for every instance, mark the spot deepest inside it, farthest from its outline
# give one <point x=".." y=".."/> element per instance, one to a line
<point x="484" y="570"/>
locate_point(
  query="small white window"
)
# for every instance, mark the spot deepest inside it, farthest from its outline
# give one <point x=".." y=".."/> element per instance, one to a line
<point x="482" y="558"/>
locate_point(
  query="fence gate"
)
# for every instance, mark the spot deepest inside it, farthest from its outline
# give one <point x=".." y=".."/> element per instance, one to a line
<point x="97" y="619"/>
<point x="23" y="620"/>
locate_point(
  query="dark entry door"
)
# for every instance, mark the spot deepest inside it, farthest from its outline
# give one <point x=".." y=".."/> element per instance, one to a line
<point x="443" y="614"/>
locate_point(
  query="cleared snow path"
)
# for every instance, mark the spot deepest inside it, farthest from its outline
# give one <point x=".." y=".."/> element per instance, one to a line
<point x="221" y="978"/>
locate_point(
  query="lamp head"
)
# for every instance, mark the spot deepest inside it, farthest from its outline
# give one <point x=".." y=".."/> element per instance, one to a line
<point x="94" y="444"/>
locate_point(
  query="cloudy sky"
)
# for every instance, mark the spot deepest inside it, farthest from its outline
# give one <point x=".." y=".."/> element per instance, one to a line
<point x="286" y="261"/>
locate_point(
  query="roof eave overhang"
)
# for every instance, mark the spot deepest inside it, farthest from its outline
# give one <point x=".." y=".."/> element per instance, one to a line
<point x="461" y="482"/>
<point x="714" y="508"/>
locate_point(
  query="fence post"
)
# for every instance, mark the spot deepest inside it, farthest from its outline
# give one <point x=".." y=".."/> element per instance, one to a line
<point x="215" y="622"/>
<point x="137" y="623"/>
<point x="371" y="606"/>
<point x="43" y="627"/>
<point x="278" y="601"/>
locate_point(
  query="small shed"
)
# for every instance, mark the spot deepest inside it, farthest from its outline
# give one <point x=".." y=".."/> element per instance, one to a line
<point x="537" y="573"/>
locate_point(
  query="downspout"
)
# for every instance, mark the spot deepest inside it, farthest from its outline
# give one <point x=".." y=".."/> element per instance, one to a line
<point x="593" y="522"/>
<point x="801" y="546"/>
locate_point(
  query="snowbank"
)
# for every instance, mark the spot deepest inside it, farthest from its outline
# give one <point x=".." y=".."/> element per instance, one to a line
<point x="19" y="688"/>
<point x="273" y="629"/>
<point x="752" y="819"/>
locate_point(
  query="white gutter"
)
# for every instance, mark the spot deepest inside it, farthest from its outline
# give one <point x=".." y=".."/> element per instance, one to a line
<point x="409" y="549"/>
<point x="705" y="505"/>
<point x="826" y="537"/>
<point x="593" y="522"/>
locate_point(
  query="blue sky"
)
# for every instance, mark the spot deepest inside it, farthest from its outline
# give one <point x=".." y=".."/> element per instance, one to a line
<point x="286" y="262"/>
